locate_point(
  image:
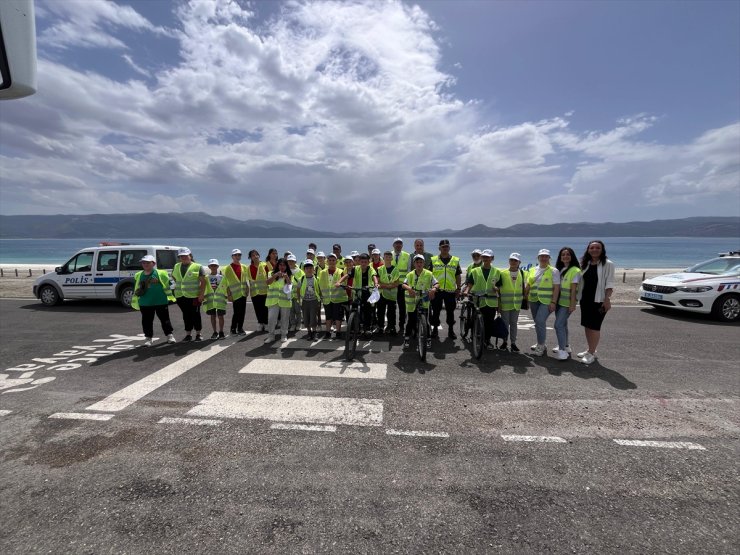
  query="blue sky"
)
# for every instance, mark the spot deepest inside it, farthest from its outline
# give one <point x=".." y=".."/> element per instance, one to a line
<point x="320" y="113"/>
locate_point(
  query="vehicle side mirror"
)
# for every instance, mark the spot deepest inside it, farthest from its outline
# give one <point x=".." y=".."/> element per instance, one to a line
<point x="60" y="270"/>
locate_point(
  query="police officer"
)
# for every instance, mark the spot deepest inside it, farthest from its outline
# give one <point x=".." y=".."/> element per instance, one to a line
<point x="401" y="261"/>
<point x="447" y="271"/>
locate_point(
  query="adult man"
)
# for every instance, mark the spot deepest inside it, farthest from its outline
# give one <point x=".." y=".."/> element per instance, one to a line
<point x="236" y="276"/>
<point x="447" y="271"/>
<point x="419" y="249"/>
<point x="370" y="248"/>
<point x="190" y="289"/>
<point x="388" y="284"/>
<point x="401" y="261"/>
<point x="485" y="280"/>
<point x="475" y="255"/>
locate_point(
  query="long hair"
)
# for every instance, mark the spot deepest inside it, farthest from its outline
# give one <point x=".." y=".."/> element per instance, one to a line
<point x="270" y="253"/>
<point x="287" y="266"/>
<point x="587" y="257"/>
<point x="251" y="253"/>
<point x="573" y="260"/>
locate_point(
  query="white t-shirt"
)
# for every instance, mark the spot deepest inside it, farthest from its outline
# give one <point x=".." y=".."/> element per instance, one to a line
<point x="539" y="272"/>
<point x="215" y="281"/>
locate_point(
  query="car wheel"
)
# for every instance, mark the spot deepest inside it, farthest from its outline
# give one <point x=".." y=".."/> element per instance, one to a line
<point x="125" y="295"/>
<point x="727" y="308"/>
<point x="49" y="296"/>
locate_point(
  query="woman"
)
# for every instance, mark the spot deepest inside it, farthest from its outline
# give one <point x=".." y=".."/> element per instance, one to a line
<point x="258" y="287"/>
<point x="512" y="294"/>
<point x="152" y="295"/>
<point x="570" y="276"/>
<point x="190" y="289"/>
<point x="278" y="301"/>
<point x="272" y="259"/>
<point x="597" y="286"/>
<point x="543" y="287"/>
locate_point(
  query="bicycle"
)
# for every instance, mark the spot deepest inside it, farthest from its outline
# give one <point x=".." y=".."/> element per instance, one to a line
<point x="422" y="322"/>
<point x="473" y="319"/>
<point x="353" y="324"/>
<point x="465" y="320"/>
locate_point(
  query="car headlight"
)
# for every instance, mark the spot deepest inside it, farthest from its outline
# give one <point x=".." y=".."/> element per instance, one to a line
<point x="696" y="289"/>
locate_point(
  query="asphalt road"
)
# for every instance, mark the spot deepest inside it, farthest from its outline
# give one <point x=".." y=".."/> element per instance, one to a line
<point x="510" y="453"/>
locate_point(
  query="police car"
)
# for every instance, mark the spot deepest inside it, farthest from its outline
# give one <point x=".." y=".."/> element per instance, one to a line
<point x="709" y="287"/>
<point x="104" y="272"/>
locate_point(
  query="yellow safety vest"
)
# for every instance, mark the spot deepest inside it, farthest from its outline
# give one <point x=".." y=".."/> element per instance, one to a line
<point x="164" y="279"/>
<point x="445" y="273"/>
<point x="276" y="295"/>
<point x="566" y="280"/>
<point x="384" y="276"/>
<point x="304" y="284"/>
<point x="511" y="291"/>
<point x="541" y="293"/>
<point x="297" y="275"/>
<point x="402" y="264"/>
<point x="357" y="277"/>
<point x="187" y="286"/>
<point x="258" y="286"/>
<point x="331" y="294"/>
<point x="237" y="287"/>
<point x="482" y="285"/>
<point x="216" y="298"/>
<point x="419" y="283"/>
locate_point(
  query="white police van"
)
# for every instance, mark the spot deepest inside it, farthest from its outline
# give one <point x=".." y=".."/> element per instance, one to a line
<point x="104" y="272"/>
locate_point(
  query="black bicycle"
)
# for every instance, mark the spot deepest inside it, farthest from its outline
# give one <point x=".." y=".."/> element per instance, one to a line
<point x="471" y="319"/>
<point x="422" y="322"/>
<point x="353" y="323"/>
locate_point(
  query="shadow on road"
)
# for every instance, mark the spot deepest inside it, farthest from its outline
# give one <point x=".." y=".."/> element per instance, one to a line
<point x="682" y="316"/>
<point x="584" y="372"/>
<point x="89" y="306"/>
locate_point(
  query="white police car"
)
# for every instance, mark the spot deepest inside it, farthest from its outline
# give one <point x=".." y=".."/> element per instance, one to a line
<point x="709" y="287"/>
<point x="104" y="272"/>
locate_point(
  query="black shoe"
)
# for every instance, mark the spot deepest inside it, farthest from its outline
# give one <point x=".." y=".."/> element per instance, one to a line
<point x="435" y="332"/>
<point x="429" y="342"/>
<point x="451" y="334"/>
<point x="241" y="332"/>
<point x="188" y="337"/>
<point x="490" y="346"/>
<point x="214" y="335"/>
<point x="221" y="335"/>
<point x="198" y="337"/>
<point x="514" y="348"/>
<point x="233" y="331"/>
<point x="502" y="346"/>
<point x="406" y="342"/>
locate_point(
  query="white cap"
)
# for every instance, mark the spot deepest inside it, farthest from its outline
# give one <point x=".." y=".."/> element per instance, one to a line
<point x="147" y="258"/>
<point x="236" y="251"/>
<point x="213" y="262"/>
<point x="349" y="258"/>
<point x="183" y="251"/>
<point x="476" y="251"/>
<point x="354" y="253"/>
<point x="375" y="251"/>
<point x="543" y="252"/>
<point x="398" y="240"/>
<point x="487" y="252"/>
<point x="332" y="255"/>
<point x="515" y="256"/>
<point x="320" y="254"/>
<point x="419" y="257"/>
<point x="291" y="257"/>
<point x="308" y="262"/>
<point x="310" y="251"/>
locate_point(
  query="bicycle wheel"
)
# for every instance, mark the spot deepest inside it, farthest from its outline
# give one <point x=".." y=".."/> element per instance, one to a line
<point x="463" y="321"/>
<point x="421" y="333"/>
<point x="478" y="332"/>
<point x="353" y="331"/>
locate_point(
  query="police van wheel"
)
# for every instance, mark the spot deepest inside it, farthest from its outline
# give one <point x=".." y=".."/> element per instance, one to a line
<point x="49" y="296"/>
<point x="126" y="295"/>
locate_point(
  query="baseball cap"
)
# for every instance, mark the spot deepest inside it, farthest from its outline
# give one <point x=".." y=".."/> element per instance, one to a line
<point x="348" y="258"/>
<point x="419" y="257"/>
<point x="292" y="257"/>
<point x="371" y="246"/>
<point x="515" y="256"/>
<point x="213" y="262"/>
<point x="320" y="254"/>
<point x="487" y="252"/>
<point x="308" y="262"/>
<point x="354" y="253"/>
<point x="310" y="251"/>
<point x="543" y="252"/>
<point x="364" y="256"/>
<point x="147" y="258"/>
<point x="183" y="252"/>
<point x="375" y="251"/>
<point x="331" y="255"/>
<point x="236" y="251"/>
<point x="476" y="251"/>
<point x="444" y="243"/>
<point x="398" y="240"/>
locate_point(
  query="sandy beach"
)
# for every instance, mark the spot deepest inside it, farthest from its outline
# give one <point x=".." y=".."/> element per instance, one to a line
<point x="628" y="280"/>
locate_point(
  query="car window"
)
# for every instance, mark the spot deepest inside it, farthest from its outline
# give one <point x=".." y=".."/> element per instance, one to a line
<point x="81" y="263"/>
<point x="166" y="259"/>
<point x="717" y="266"/>
<point x="107" y="261"/>
<point x="130" y="259"/>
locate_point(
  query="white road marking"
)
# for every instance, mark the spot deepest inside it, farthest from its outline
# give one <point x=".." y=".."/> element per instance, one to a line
<point x="132" y="393"/>
<point x="414" y="433"/>
<point x="321" y="369"/>
<point x="5" y="412"/>
<point x="193" y="421"/>
<point x="330" y="345"/>
<point x="538" y="439"/>
<point x="81" y="416"/>
<point x="662" y="444"/>
<point x="291" y="408"/>
<point x="305" y="427"/>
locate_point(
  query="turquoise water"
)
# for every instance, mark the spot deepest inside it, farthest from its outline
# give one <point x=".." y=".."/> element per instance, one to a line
<point x="626" y="252"/>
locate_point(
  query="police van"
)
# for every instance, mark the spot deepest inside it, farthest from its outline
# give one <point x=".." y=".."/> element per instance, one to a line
<point x="104" y="272"/>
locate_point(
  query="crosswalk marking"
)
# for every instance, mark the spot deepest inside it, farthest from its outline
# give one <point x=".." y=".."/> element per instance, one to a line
<point x="372" y="346"/>
<point x="661" y="444"/>
<point x="538" y="439"/>
<point x="415" y="433"/>
<point x="315" y="368"/>
<point x="291" y="408"/>
<point x="81" y="416"/>
<point x="5" y="412"/>
<point x="191" y="421"/>
<point x="303" y="427"/>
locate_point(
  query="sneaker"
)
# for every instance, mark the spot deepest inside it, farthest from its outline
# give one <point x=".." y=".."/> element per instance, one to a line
<point x="429" y="342"/>
<point x="534" y="347"/>
<point x="233" y="331"/>
<point x="198" y="337"/>
<point x="214" y="335"/>
<point x="588" y="358"/>
<point x="567" y="349"/>
<point x="148" y="342"/>
<point x="221" y="335"/>
<point x="503" y="346"/>
<point x="451" y="334"/>
<point x="406" y="342"/>
<point x="270" y="338"/>
<point x="561" y="354"/>
<point x="539" y="350"/>
<point x="435" y="332"/>
<point x="283" y="338"/>
<point x="584" y="353"/>
<point x="514" y="348"/>
<point x="241" y="332"/>
<point x="171" y="339"/>
<point x="490" y="346"/>
<point x="187" y="338"/>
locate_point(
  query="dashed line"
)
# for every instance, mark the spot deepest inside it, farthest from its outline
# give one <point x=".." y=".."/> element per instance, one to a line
<point x="191" y="421"/>
<point x="537" y="439"/>
<point x="5" y="412"/>
<point x="81" y="416"/>
<point x="304" y="427"/>
<point x="660" y="444"/>
<point x="415" y="433"/>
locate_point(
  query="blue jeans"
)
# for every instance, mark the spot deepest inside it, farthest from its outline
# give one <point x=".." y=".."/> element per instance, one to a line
<point x="539" y="315"/>
<point x="561" y="325"/>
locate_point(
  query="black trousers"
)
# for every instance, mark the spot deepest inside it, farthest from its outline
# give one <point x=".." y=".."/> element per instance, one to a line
<point x="411" y="324"/>
<point x="240" y="310"/>
<point x="489" y="315"/>
<point x="450" y="302"/>
<point x="260" y="310"/>
<point x="386" y="308"/>
<point x="401" y="302"/>
<point x="147" y="319"/>
<point x="190" y="314"/>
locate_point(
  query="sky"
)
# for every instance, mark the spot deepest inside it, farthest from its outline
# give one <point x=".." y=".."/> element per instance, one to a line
<point x="364" y="115"/>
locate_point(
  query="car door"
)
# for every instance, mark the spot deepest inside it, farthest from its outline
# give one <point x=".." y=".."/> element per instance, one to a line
<point x="106" y="273"/>
<point x="77" y="280"/>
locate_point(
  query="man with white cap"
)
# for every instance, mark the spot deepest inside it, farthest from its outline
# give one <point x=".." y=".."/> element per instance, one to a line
<point x="511" y="294"/>
<point x="215" y="299"/>
<point x="485" y="280"/>
<point x="402" y="262"/>
<point x="190" y="287"/>
<point x="320" y="261"/>
<point x="152" y="295"/>
<point x="236" y="276"/>
<point x="475" y="255"/>
<point x="543" y="288"/>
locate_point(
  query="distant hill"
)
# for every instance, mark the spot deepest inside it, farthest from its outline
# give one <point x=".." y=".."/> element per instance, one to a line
<point x="200" y="224"/>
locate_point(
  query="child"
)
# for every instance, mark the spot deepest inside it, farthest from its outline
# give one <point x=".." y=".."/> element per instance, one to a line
<point x="295" y="310"/>
<point x="215" y="299"/>
<point x="309" y="298"/>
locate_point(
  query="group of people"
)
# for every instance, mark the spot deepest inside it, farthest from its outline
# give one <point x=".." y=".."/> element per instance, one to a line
<point x="388" y="285"/>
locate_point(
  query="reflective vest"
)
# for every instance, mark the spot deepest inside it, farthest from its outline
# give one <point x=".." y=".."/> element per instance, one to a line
<point x="357" y="277"/>
<point x="276" y="295"/>
<point x="163" y="279"/>
<point x="541" y="293"/>
<point x="419" y="283"/>
<point x="258" y="286"/>
<point x="303" y="285"/>
<point x="402" y="264"/>
<point x="566" y="280"/>
<point x="482" y="285"/>
<point x="510" y="291"/>
<point x="340" y="263"/>
<point x="329" y="293"/>
<point x="237" y="287"/>
<point x="297" y="275"/>
<point x="471" y="266"/>
<point x="216" y="298"/>
<point x="385" y="276"/>
<point x="187" y="286"/>
<point x="445" y="273"/>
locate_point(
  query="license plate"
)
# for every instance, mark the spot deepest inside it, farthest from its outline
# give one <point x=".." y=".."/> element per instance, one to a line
<point x="656" y="296"/>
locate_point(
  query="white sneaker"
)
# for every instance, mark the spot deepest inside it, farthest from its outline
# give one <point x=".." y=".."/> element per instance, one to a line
<point x="567" y="349"/>
<point x="583" y="353"/>
<point x="539" y="350"/>
<point x="284" y="338"/>
<point x="562" y="354"/>
<point x="588" y="358"/>
<point x="148" y="342"/>
<point x="534" y="347"/>
<point x="171" y="339"/>
<point x="269" y="339"/>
